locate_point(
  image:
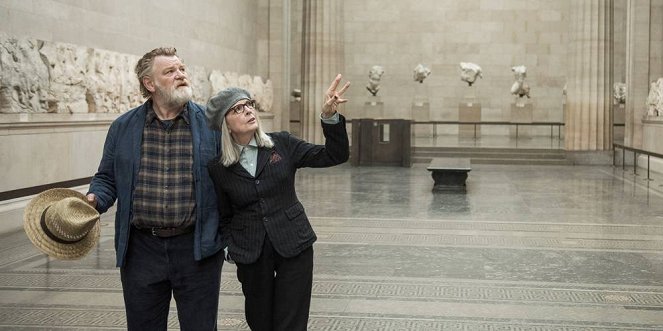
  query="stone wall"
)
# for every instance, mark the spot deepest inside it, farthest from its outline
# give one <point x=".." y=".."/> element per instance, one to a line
<point x="442" y="33"/>
<point x="218" y="34"/>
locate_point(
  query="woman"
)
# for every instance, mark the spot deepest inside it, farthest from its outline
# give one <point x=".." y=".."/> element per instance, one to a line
<point x="263" y="225"/>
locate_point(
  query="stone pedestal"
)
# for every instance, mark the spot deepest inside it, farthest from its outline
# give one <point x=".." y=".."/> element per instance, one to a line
<point x="469" y="112"/>
<point x="618" y="119"/>
<point x="420" y="111"/>
<point x="652" y="135"/>
<point x="618" y="115"/>
<point x="373" y="108"/>
<point x="296" y="118"/>
<point x="521" y="113"/>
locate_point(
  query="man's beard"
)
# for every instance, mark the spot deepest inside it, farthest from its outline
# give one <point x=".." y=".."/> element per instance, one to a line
<point x="175" y="96"/>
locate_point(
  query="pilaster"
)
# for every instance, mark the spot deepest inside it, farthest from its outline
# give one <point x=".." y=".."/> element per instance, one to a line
<point x="588" y="126"/>
<point x="637" y="69"/>
<point x="322" y="59"/>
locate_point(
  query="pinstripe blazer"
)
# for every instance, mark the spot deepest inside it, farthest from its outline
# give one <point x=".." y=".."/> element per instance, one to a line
<point x="252" y="207"/>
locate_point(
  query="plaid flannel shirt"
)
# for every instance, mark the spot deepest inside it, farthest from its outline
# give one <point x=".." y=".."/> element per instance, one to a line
<point x="164" y="194"/>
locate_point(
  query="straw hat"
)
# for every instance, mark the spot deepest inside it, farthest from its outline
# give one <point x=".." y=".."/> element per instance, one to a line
<point x="60" y="223"/>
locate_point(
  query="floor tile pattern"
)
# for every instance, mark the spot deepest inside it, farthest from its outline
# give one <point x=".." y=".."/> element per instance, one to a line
<point x="526" y="248"/>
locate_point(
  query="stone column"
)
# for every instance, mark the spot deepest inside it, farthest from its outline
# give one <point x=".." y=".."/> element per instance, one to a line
<point x="277" y="54"/>
<point x="637" y="69"/>
<point x="588" y="126"/>
<point x="322" y="59"/>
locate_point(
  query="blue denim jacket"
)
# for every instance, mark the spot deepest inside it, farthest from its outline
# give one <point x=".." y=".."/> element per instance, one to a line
<point x="118" y="171"/>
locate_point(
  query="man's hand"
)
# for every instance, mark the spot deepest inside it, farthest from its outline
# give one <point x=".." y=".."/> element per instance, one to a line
<point x="226" y="256"/>
<point x="333" y="97"/>
<point x="91" y="199"/>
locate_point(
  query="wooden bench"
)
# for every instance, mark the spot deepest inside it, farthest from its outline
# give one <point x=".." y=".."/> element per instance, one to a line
<point x="449" y="173"/>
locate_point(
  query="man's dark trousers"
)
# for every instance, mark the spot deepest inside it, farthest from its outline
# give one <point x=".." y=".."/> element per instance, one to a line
<point x="157" y="266"/>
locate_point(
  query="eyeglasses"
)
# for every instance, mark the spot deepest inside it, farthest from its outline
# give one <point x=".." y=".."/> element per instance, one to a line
<point x="238" y="109"/>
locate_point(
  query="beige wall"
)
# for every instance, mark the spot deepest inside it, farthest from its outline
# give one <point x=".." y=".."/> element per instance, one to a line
<point x="495" y="34"/>
<point x="220" y="34"/>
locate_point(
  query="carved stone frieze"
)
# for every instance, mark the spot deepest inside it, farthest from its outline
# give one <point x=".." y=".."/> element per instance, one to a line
<point x="50" y="77"/>
<point x="24" y="78"/>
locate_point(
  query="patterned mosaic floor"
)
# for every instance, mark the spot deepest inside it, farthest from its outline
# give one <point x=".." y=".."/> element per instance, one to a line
<point x="527" y="248"/>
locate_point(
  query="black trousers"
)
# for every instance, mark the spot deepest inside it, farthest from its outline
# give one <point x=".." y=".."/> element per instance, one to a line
<point x="277" y="290"/>
<point x="157" y="267"/>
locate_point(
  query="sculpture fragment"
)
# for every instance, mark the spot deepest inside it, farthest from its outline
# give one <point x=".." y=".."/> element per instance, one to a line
<point x="421" y="72"/>
<point x="519" y="87"/>
<point x="374" y="76"/>
<point x="469" y="72"/>
<point x="619" y="93"/>
<point x="655" y="98"/>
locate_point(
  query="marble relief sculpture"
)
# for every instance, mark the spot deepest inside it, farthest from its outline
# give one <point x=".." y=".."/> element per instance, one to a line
<point x="519" y="87"/>
<point x="619" y="93"/>
<point x="469" y="72"/>
<point x="655" y="98"/>
<point x="50" y="77"/>
<point x="374" y="76"/>
<point x="23" y="76"/>
<point x="420" y="73"/>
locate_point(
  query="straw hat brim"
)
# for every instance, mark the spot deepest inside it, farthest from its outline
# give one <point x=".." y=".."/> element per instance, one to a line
<point x="32" y="226"/>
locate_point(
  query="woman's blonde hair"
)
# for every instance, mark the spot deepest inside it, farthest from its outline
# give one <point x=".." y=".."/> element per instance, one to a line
<point x="230" y="150"/>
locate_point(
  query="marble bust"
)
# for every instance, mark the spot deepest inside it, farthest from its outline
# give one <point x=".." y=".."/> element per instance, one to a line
<point x="619" y="93"/>
<point x="420" y="73"/>
<point x="374" y="76"/>
<point x="519" y="87"/>
<point x="469" y="72"/>
<point x="296" y="94"/>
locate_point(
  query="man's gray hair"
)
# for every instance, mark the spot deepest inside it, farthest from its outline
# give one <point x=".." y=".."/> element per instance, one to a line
<point x="144" y="66"/>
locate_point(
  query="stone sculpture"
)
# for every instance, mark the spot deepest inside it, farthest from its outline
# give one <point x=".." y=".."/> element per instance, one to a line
<point x="23" y="76"/>
<point x="619" y="93"/>
<point x="655" y="98"/>
<point x="469" y="72"/>
<point x="420" y="73"/>
<point x="296" y="94"/>
<point x="519" y="87"/>
<point x="41" y="76"/>
<point x="374" y="76"/>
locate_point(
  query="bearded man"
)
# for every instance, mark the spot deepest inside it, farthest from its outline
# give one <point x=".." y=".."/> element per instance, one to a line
<point x="166" y="224"/>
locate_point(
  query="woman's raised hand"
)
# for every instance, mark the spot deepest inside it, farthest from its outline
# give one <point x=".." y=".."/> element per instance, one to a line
<point x="333" y="98"/>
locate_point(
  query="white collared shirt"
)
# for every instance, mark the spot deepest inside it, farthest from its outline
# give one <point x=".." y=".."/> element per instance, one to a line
<point x="248" y="155"/>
